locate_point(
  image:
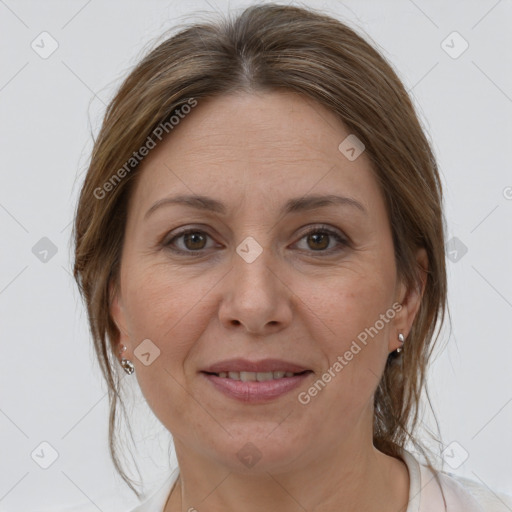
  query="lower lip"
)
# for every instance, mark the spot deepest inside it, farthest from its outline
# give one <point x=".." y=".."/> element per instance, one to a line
<point x="256" y="392"/>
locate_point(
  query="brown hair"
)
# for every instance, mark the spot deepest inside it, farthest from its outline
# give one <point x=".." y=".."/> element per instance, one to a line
<point x="271" y="47"/>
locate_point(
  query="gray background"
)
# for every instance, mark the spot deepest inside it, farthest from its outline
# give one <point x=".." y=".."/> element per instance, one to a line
<point x="50" y="386"/>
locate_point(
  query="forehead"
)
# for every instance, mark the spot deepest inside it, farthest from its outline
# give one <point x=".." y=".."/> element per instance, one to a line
<point x="268" y="145"/>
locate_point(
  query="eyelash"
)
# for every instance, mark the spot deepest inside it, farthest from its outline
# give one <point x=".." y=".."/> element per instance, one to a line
<point x="316" y="229"/>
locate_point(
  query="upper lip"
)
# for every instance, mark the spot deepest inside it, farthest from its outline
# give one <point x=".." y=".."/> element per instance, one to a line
<point x="244" y="365"/>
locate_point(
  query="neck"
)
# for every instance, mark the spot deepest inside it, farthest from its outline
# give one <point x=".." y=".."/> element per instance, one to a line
<point x="363" y="480"/>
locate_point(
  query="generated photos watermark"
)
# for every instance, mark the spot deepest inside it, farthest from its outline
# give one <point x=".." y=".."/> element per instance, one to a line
<point x="151" y="142"/>
<point x="304" y="397"/>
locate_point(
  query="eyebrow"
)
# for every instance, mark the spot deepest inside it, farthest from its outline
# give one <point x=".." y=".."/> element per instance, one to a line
<point x="298" y="204"/>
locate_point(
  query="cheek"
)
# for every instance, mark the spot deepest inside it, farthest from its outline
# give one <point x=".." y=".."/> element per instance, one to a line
<point x="355" y="311"/>
<point x="166" y="309"/>
<point x="351" y="301"/>
<point x="160" y="298"/>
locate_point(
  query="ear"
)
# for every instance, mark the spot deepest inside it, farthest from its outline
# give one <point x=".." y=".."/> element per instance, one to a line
<point x="118" y="314"/>
<point x="410" y="299"/>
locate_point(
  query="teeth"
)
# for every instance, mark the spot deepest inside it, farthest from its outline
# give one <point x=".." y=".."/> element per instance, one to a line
<point x="255" y="376"/>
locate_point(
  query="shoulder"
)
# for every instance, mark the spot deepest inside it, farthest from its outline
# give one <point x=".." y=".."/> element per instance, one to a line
<point x="489" y="500"/>
<point x="429" y="491"/>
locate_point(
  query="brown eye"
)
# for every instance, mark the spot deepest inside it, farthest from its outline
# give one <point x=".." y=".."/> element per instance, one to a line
<point x="194" y="240"/>
<point x="318" y="240"/>
<point x="188" y="241"/>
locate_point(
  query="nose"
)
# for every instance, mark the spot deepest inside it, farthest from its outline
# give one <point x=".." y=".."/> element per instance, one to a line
<point x="255" y="297"/>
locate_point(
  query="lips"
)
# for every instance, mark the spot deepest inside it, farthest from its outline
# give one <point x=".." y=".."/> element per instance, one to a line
<point x="255" y="382"/>
<point x="264" y="366"/>
<point x="251" y="392"/>
<point x="256" y="376"/>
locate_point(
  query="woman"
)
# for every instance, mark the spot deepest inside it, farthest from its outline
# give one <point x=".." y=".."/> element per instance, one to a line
<point x="260" y="239"/>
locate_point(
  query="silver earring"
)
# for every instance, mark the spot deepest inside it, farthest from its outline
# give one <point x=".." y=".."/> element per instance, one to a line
<point x="401" y="339"/>
<point x="127" y="365"/>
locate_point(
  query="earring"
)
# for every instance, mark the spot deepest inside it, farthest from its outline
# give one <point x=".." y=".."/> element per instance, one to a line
<point x="401" y="339"/>
<point x="127" y="365"/>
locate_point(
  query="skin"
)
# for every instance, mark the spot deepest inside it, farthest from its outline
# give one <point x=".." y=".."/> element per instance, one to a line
<point x="303" y="299"/>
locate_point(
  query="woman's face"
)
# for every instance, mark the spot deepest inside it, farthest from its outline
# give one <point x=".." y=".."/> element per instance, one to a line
<point x="250" y="283"/>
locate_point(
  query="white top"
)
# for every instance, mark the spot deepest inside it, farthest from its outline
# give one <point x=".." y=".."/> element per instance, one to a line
<point x="461" y="494"/>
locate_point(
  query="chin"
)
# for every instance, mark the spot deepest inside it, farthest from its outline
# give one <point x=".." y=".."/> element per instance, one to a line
<point x="259" y="452"/>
